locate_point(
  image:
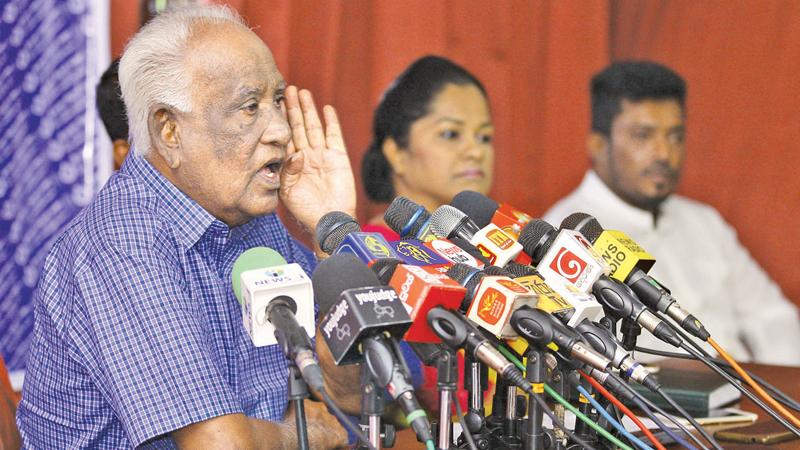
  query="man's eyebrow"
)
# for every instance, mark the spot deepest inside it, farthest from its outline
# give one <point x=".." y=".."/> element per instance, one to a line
<point x="249" y="91"/>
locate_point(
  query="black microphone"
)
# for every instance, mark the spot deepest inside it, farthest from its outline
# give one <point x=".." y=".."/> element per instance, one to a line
<point x="457" y="332"/>
<point x="361" y="323"/>
<point x="544" y="330"/>
<point x="409" y="219"/>
<point x="604" y="343"/>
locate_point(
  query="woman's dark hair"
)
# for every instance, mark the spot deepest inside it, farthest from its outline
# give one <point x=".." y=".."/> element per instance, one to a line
<point x="407" y="100"/>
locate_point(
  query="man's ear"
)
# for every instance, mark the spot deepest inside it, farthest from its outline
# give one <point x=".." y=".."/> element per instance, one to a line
<point x="165" y="134"/>
<point x="121" y="149"/>
<point x="395" y="156"/>
<point x="597" y="148"/>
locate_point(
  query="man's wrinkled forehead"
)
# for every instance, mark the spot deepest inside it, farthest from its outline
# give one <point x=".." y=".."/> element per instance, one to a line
<point x="224" y="58"/>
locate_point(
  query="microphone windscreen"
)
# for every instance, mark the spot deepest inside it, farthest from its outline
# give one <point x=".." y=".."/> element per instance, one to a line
<point x="477" y="206"/>
<point x="332" y="229"/>
<point x="336" y="274"/>
<point x="467" y="276"/>
<point x="254" y="258"/>
<point x="445" y="220"/>
<point x="405" y="217"/>
<point x="584" y="224"/>
<point x="534" y="237"/>
<point x="384" y="268"/>
<point x="497" y="271"/>
<point x="519" y="270"/>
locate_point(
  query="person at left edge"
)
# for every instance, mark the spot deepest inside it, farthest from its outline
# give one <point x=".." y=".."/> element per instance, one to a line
<point x="138" y="338"/>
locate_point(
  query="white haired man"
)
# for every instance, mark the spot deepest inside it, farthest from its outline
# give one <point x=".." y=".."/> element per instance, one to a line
<point x="138" y="338"/>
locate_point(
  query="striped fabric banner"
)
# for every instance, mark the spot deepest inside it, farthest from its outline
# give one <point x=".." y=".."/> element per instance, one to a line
<point x="54" y="153"/>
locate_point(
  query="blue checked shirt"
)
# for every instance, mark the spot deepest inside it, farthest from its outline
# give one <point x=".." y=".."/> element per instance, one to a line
<point x="137" y="331"/>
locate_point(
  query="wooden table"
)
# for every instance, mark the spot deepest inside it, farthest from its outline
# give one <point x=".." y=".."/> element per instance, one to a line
<point x="786" y="379"/>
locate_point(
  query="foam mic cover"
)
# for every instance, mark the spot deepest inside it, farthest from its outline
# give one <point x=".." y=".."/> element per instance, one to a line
<point x="355" y="306"/>
<point x="332" y="229"/>
<point x="408" y="219"/>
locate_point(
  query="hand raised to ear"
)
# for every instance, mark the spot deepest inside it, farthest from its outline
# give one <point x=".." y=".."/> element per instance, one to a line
<point x="317" y="177"/>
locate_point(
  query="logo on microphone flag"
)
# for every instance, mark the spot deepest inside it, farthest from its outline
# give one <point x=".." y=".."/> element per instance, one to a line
<point x="413" y="251"/>
<point x="491" y="306"/>
<point x="500" y="239"/>
<point x="376" y="247"/>
<point x="568" y="265"/>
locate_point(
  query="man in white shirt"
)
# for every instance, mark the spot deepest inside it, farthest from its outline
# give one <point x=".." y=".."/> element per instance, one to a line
<point x="637" y="150"/>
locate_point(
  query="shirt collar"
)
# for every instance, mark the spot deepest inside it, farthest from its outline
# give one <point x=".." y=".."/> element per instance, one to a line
<point x="594" y="188"/>
<point x="191" y="221"/>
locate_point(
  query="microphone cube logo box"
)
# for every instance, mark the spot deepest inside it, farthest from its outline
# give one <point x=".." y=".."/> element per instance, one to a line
<point x="361" y="312"/>
<point x="495" y="300"/>
<point x="572" y="258"/>
<point x="420" y="289"/>
<point x="261" y="286"/>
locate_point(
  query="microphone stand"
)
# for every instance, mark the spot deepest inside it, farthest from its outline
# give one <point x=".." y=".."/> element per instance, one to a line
<point x="446" y="382"/>
<point x="371" y="406"/>
<point x="583" y="430"/>
<point x="298" y="391"/>
<point x="474" y="418"/>
<point x="536" y="373"/>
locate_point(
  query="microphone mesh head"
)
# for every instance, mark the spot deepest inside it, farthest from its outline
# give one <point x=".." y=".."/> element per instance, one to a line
<point x="497" y="271"/>
<point x="460" y="272"/>
<point x="519" y="270"/>
<point x="467" y="276"/>
<point x="336" y="274"/>
<point x="400" y="212"/>
<point x="332" y="228"/>
<point x="584" y="224"/>
<point x="384" y="268"/>
<point x="536" y="238"/>
<point x="445" y="220"/>
<point x="476" y="206"/>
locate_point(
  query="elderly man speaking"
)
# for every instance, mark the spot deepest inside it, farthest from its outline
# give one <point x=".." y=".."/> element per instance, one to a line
<point x="138" y="338"/>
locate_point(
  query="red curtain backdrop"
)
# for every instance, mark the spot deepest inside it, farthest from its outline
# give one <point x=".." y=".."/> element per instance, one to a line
<point x="536" y="58"/>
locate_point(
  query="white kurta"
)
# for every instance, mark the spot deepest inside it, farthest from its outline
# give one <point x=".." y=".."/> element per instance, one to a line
<point x="709" y="272"/>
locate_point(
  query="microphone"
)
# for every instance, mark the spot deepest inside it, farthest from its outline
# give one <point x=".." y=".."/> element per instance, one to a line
<point x="361" y="322"/>
<point x="491" y="299"/>
<point x="629" y="264"/>
<point x="567" y="254"/>
<point x="278" y="307"/>
<point x="604" y="343"/>
<point x="409" y="219"/>
<point x="543" y="330"/>
<point x="483" y="211"/>
<point x="457" y="332"/>
<point x="338" y="232"/>
<point x="497" y="246"/>
<point x="420" y="289"/>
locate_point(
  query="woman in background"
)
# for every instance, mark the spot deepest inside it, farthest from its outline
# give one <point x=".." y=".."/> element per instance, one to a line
<point x="432" y="138"/>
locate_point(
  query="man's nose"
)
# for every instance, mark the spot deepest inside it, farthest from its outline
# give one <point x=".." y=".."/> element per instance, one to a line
<point x="278" y="131"/>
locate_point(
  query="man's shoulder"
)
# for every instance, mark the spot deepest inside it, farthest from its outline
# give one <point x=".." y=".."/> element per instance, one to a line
<point x="694" y="210"/>
<point x="124" y="215"/>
